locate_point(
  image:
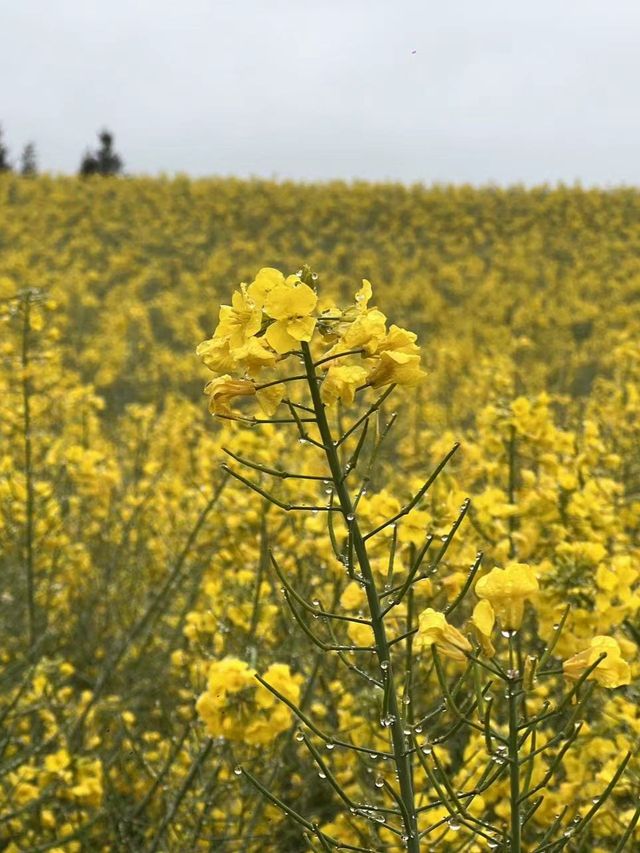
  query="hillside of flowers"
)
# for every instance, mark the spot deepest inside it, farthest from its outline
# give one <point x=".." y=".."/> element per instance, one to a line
<point x="378" y="587"/>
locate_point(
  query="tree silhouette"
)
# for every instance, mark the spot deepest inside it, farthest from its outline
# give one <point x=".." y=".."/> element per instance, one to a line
<point x="104" y="161"/>
<point x="28" y="161"/>
<point x="5" y="165"/>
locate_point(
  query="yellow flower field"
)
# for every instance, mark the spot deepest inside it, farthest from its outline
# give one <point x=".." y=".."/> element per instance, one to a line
<point x="379" y="583"/>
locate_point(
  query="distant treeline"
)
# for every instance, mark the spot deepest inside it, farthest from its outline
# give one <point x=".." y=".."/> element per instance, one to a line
<point x="102" y="161"/>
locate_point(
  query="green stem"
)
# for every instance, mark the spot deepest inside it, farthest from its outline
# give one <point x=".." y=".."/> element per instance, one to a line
<point x="513" y="692"/>
<point x="399" y="746"/>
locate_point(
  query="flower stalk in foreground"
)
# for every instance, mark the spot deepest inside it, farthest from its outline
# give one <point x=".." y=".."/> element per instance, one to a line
<point x="306" y="365"/>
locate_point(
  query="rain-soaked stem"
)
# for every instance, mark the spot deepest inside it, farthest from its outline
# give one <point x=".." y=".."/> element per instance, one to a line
<point x="401" y="754"/>
<point x="513" y="693"/>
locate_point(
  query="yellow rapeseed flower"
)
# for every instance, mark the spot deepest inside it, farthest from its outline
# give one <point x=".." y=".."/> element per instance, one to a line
<point x="290" y="304"/>
<point x="240" y="320"/>
<point x="224" y="389"/>
<point x="399" y="368"/>
<point x="433" y="629"/>
<point x="266" y="279"/>
<point x="506" y="590"/>
<point x="612" y="671"/>
<point x="215" y="353"/>
<point x="341" y="382"/>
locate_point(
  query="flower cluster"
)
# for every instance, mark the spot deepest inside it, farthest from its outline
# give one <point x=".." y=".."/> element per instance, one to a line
<point x="237" y="707"/>
<point x="267" y="321"/>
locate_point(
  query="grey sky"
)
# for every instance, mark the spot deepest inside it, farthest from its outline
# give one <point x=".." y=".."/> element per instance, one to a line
<point x="465" y="90"/>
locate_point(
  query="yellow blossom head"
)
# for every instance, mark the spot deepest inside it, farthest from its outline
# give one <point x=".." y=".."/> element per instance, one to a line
<point x="506" y="590"/>
<point x="224" y="389"/>
<point x="290" y="304"/>
<point x="341" y="383"/>
<point x="434" y="630"/>
<point x="612" y="671"/>
<point x="399" y="368"/>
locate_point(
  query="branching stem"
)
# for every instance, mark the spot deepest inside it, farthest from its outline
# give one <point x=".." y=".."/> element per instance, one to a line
<point x="402" y="758"/>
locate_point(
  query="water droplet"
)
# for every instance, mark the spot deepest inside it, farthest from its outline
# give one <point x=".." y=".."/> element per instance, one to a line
<point x="508" y="633"/>
<point x="350" y="517"/>
<point x="384" y="664"/>
<point x="454" y="825"/>
<point x="379" y="783"/>
<point x="238" y="770"/>
<point x="299" y="736"/>
<point x="444" y="538"/>
<point x="330" y="745"/>
<point x="322" y="774"/>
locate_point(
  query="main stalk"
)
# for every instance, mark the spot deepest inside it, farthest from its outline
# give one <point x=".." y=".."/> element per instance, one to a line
<point x="400" y="749"/>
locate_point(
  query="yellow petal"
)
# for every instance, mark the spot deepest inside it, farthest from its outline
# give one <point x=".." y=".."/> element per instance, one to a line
<point x="270" y="398"/>
<point x="216" y="355"/>
<point x="266" y="279"/>
<point x="364" y="294"/>
<point x="287" y="301"/>
<point x="301" y="328"/>
<point x="341" y="382"/>
<point x="279" y="338"/>
<point x="483" y="617"/>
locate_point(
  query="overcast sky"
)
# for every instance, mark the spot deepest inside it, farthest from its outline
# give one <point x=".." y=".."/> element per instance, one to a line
<point x="413" y="90"/>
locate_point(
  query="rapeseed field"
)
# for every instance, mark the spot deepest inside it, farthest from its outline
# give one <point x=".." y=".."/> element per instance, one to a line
<point x="378" y="588"/>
